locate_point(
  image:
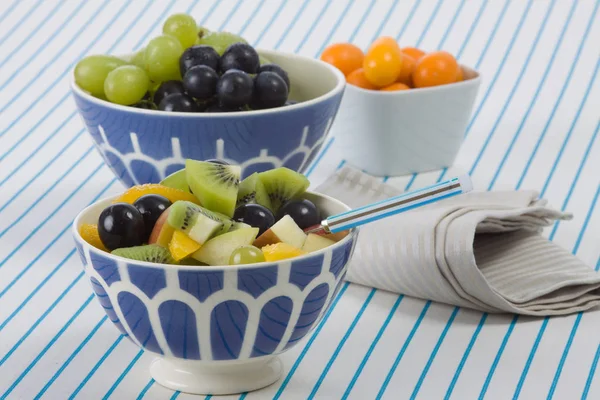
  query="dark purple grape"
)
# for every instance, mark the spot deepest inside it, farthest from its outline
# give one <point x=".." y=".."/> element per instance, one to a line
<point x="217" y="161"/>
<point x="270" y="90"/>
<point x="278" y="70"/>
<point x="303" y="212"/>
<point x="179" y="102"/>
<point x="198" y="55"/>
<point x="234" y="89"/>
<point x="167" y="88"/>
<point x="218" y="108"/>
<point x="151" y="206"/>
<point x="240" y="56"/>
<point x="254" y="215"/>
<point x="121" y="225"/>
<point x="200" y="82"/>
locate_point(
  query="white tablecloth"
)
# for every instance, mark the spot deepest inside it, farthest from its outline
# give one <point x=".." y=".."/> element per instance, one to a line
<point x="535" y="126"/>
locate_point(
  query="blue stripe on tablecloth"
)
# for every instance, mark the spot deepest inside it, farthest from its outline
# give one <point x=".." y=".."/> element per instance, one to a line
<point x="500" y="68"/>
<point x="58" y="55"/>
<point x="535" y="96"/>
<point x="21" y="22"/>
<point x="590" y="377"/>
<point x="40" y="199"/>
<point x="38" y="227"/>
<point x="408" y="19"/>
<point x="33" y="31"/>
<point x="71" y="357"/>
<point x="451" y="319"/>
<point x="515" y="87"/>
<point x="273" y="18"/>
<point x="474" y="25"/>
<point x="575" y="247"/>
<point x="312" y="27"/>
<point x="340" y="345"/>
<point x="559" y="98"/>
<point x="366" y="302"/>
<point x="9" y="10"/>
<point x="48" y="346"/>
<point x="49" y="245"/>
<point x="451" y="25"/>
<point x="365" y="359"/>
<point x="436" y="8"/>
<point x="575" y="61"/>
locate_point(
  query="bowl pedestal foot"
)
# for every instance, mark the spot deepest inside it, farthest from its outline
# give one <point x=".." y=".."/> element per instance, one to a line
<point x="217" y="378"/>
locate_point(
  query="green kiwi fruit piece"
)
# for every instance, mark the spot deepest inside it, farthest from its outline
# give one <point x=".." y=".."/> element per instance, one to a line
<point x="252" y="190"/>
<point x="177" y="180"/>
<point x="282" y="184"/>
<point x="215" y="185"/>
<point x="197" y="222"/>
<point x="238" y="225"/>
<point x="149" y="253"/>
<point x="191" y="261"/>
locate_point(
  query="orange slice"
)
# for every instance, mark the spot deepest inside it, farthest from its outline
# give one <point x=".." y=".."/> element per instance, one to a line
<point x="134" y="193"/>
<point x="89" y="233"/>
<point x="281" y="251"/>
<point x="182" y="246"/>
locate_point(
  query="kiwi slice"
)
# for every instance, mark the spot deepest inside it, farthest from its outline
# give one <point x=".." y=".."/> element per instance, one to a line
<point x="215" y="185"/>
<point x="149" y="253"/>
<point x="191" y="261"/>
<point x="252" y="190"/>
<point x="283" y="184"/>
<point x="238" y="225"/>
<point x="177" y="180"/>
<point x="197" y="222"/>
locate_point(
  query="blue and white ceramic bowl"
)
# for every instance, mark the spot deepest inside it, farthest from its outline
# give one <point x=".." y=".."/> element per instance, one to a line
<point x="144" y="146"/>
<point x="216" y="330"/>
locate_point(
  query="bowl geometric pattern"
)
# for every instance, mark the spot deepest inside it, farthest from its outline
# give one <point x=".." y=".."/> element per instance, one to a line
<point x="146" y="147"/>
<point x="217" y="314"/>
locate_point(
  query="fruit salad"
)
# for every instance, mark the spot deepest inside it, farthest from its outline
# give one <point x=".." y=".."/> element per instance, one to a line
<point x="187" y="69"/>
<point x="387" y="67"/>
<point x="203" y="215"/>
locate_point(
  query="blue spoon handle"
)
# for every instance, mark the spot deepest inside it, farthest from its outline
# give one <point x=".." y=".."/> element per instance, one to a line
<point x="398" y="204"/>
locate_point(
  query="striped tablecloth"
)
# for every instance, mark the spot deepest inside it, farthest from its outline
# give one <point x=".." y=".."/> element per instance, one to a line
<point x="535" y="126"/>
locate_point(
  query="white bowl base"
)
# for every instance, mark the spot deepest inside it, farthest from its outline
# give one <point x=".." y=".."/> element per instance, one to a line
<point x="198" y="377"/>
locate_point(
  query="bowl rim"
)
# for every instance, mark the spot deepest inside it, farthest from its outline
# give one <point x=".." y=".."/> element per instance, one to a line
<point x="208" y="268"/>
<point x="338" y="88"/>
<point x="475" y="80"/>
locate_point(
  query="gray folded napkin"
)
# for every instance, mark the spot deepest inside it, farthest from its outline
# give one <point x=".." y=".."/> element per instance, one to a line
<point x="481" y="250"/>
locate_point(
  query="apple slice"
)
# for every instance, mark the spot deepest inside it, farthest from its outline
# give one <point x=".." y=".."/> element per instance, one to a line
<point x="285" y="230"/>
<point x="218" y="249"/>
<point x="316" y="242"/>
<point x="162" y="231"/>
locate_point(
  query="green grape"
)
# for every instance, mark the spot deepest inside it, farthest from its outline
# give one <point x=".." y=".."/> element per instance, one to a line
<point x="202" y="31"/>
<point x="264" y="60"/>
<point x="183" y="27"/>
<point x="139" y="59"/>
<point x="220" y="41"/>
<point x="162" y="58"/>
<point x="126" y="85"/>
<point x="91" y="72"/>
<point x="246" y="255"/>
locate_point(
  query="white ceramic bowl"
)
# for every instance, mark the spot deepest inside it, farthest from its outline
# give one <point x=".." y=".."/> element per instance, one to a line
<point x="218" y="329"/>
<point x="402" y="132"/>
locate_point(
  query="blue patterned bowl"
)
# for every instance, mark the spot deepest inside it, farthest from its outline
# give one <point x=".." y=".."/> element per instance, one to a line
<point x="144" y="146"/>
<point x="216" y="330"/>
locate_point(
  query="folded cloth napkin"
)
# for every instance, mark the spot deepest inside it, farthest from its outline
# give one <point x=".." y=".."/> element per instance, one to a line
<point x="481" y="250"/>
